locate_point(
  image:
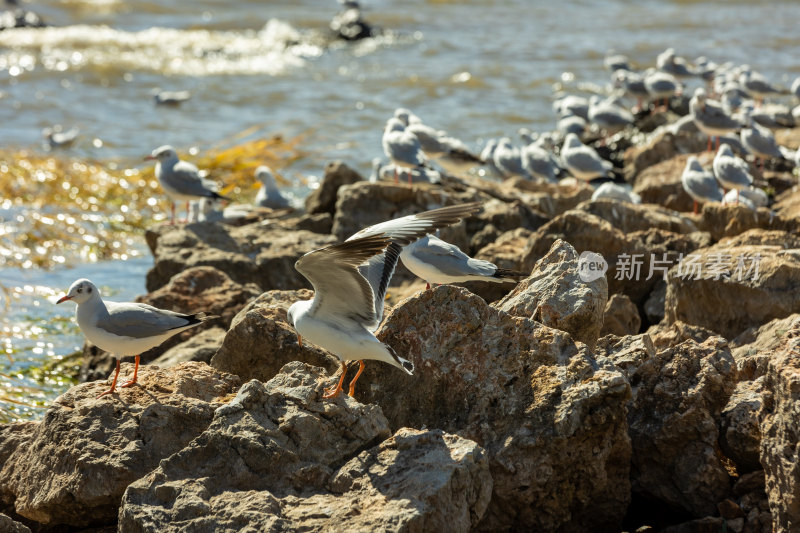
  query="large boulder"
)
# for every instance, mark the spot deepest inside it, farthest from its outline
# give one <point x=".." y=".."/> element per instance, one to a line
<point x="555" y="295"/>
<point x="620" y="317"/>
<point x="550" y="199"/>
<point x="551" y="417"/>
<point x="9" y="525"/>
<point x="753" y="349"/>
<point x="261" y="340"/>
<point x="661" y="183"/>
<point x="74" y="466"/>
<point x="323" y="198"/>
<point x="679" y="395"/>
<point x="730" y="220"/>
<point x="280" y="458"/>
<point x="740" y="435"/>
<point x="255" y="253"/>
<point x="729" y="289"/>
<point x="201" y="347"/>
<point x="662" y="145"/>
<point x="780" y="434"/>
<point x="628" y="217"/>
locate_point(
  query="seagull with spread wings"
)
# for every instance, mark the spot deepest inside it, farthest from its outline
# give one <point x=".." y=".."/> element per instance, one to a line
<point x="350" y="281"/>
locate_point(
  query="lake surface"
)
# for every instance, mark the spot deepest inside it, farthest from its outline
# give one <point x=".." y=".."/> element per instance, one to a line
<point x="477" y="69"/>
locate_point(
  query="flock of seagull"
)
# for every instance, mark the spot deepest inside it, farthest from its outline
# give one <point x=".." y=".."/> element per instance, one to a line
<point x="350" y="278"/>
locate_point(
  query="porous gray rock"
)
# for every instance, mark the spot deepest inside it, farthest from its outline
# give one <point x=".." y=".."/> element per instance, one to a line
<point x="76" y="463"/>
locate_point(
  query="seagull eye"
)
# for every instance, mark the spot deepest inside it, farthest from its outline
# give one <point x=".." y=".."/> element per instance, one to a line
<point x="80" y="290"/>
<point x="89" y="290"/>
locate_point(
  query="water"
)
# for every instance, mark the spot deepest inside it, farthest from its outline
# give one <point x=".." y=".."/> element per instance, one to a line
<point x="475" y="68"/>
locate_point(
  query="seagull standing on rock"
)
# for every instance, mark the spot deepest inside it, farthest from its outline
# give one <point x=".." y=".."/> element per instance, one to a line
<point x="180" y="179"/>
<point x="268" y="194"/>
<point x="125" y="328"/>
<point x="710" y="117"/>
<point x="582" y="161"/>
<point x="700" y="184"/>
<point x="350" y="281"/>
<point x="731" y="171"/>
<point x="439" y="262"/>
<point x="401" y="147"/>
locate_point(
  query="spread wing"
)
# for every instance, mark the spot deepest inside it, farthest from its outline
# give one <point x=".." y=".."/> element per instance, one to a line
<point x="341" y="292"/>
<point x="378" y="270"/>
<point x="141" y="320"/>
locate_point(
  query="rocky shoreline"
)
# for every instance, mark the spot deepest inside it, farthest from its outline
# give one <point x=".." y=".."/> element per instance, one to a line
<point x="648" y="397"/>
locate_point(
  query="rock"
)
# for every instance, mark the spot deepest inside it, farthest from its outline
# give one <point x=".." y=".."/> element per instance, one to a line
<point x="261" y="341"/>
<point x="363" y="204"/>
<point x="787" y="204"/>
<point x="740" y="437"/>
<point x="754" y="284"/>
<point x="550" y="416"/>
<point x="654" y="305"/>
<point x="79" y="459"/>
<point x="661" y="183"/>
<point x="627" y="353"/>
<point x="280" y="458"/>
<point x="660" y="146"/>
<point x="323" y="198"/>
<point x="8" y="525"/>
<point x="556" y="296"/>
<point x="503" y="217"/>
<point x="677" y="400"/>
<point x="780" y="434"/>
<point x="264" y="255"/>
<point x="731" y="220"/>
<point x="629" y="218"/>
<point x="752" y="499"/>
<point x="504" y="253"/>
<point x="669" y="335"/>
<point x="636" y="261"/>
<point x="549" y="199"/>
<point x="620" y="317"/>
<point x="708" y="524"/>
<point x="201" y="348"/>
<point x="753" y="349"/>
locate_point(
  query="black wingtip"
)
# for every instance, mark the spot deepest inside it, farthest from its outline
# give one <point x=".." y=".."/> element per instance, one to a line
<point x="503" y="273"/>
<point x="217" y="196"/>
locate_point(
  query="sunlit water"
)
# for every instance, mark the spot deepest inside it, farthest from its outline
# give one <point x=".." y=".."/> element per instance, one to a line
<point x="475" y="68"/>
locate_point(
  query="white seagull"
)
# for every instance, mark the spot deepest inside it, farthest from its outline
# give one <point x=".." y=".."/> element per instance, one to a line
<point x="350" y="281"/>
<point x="582" y="161"/>
<point x="401" y="147"/>
<point x="125" y="328"/>
<point x="700" y="184"/>
<point x="731" y="171"/>
<point x="180" y="179"/>
<point x="710" y="117"/>
<point x="268" y="194"/>
<point x="439" y="262"/>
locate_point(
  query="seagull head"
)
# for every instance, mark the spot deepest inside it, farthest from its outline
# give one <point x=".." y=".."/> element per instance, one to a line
<point x="572" y="141"/>
<point x="264" y="175"/>
<point x="80" y="291"/>
<point x="725" y="150"/>
<point x="162" y="154"/>
<point x="693" y="164"/>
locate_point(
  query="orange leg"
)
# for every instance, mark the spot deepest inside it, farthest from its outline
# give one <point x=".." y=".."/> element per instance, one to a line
<point x="396" y="179"/>
<point x="695" y="207"/>
<point x="333" y="393"/>
<point x="172" y="218"/>
<point x="135" y="374"/>
<point x="408" y="173"/>
<point x="299" y="340"/>
<point x="353" y="383"/>
<point x="113" y="383"/>
<point x="427" y="286"/>
<point x="708" y="149"/>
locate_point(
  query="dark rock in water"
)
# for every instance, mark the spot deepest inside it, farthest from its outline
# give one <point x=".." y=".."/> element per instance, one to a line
<point x="323" y="198"/>
<point x="551" y="417"/>
<point x="349" y="23"/>
<point x="280" y="458"/>
<point x="261" y="340"/>
<point x="73" y="467"/>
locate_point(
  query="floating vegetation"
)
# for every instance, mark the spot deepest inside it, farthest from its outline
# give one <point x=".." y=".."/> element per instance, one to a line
<point x="56" y="210"/>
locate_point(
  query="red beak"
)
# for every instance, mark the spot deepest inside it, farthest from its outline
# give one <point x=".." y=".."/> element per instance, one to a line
<point x="148" y="158"/>
<point x="64" y="299"/>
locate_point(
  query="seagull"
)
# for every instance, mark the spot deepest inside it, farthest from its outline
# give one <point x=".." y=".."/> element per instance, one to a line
<point x="180" y="179"/>
<point x="668" y="62"/>
<point x="614" y="62"/>
<point x="582" y="161"/>
<point x="508" y="159"/>
<point x="710" y="117"/>
<point x="439" y="262"/>
<point x="571" y="124"/>
<point x="615" y="191"/>
<point x="125" y="328"/>
<point x="457" y="157"/>
<point x="572" y="105"/>
<point x="660" y="86"/>
<point x="759" y="141"/>
<point x="700" y="184"/>
<point x="56" y="138"/>
<point x="487" y="154"/>
<point x="633" y="85"/>
<point x="350" y="281"/>
<point x="753" y="195"/>
<point x="756" y="85"/>
<point x="401" y="147"/>
<point x="269" y="195"/>
<point x="170" y="98"/>
<point x="609" y="117"/>
<point x="731" y="171"/>
<point x="538" y="163"/>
